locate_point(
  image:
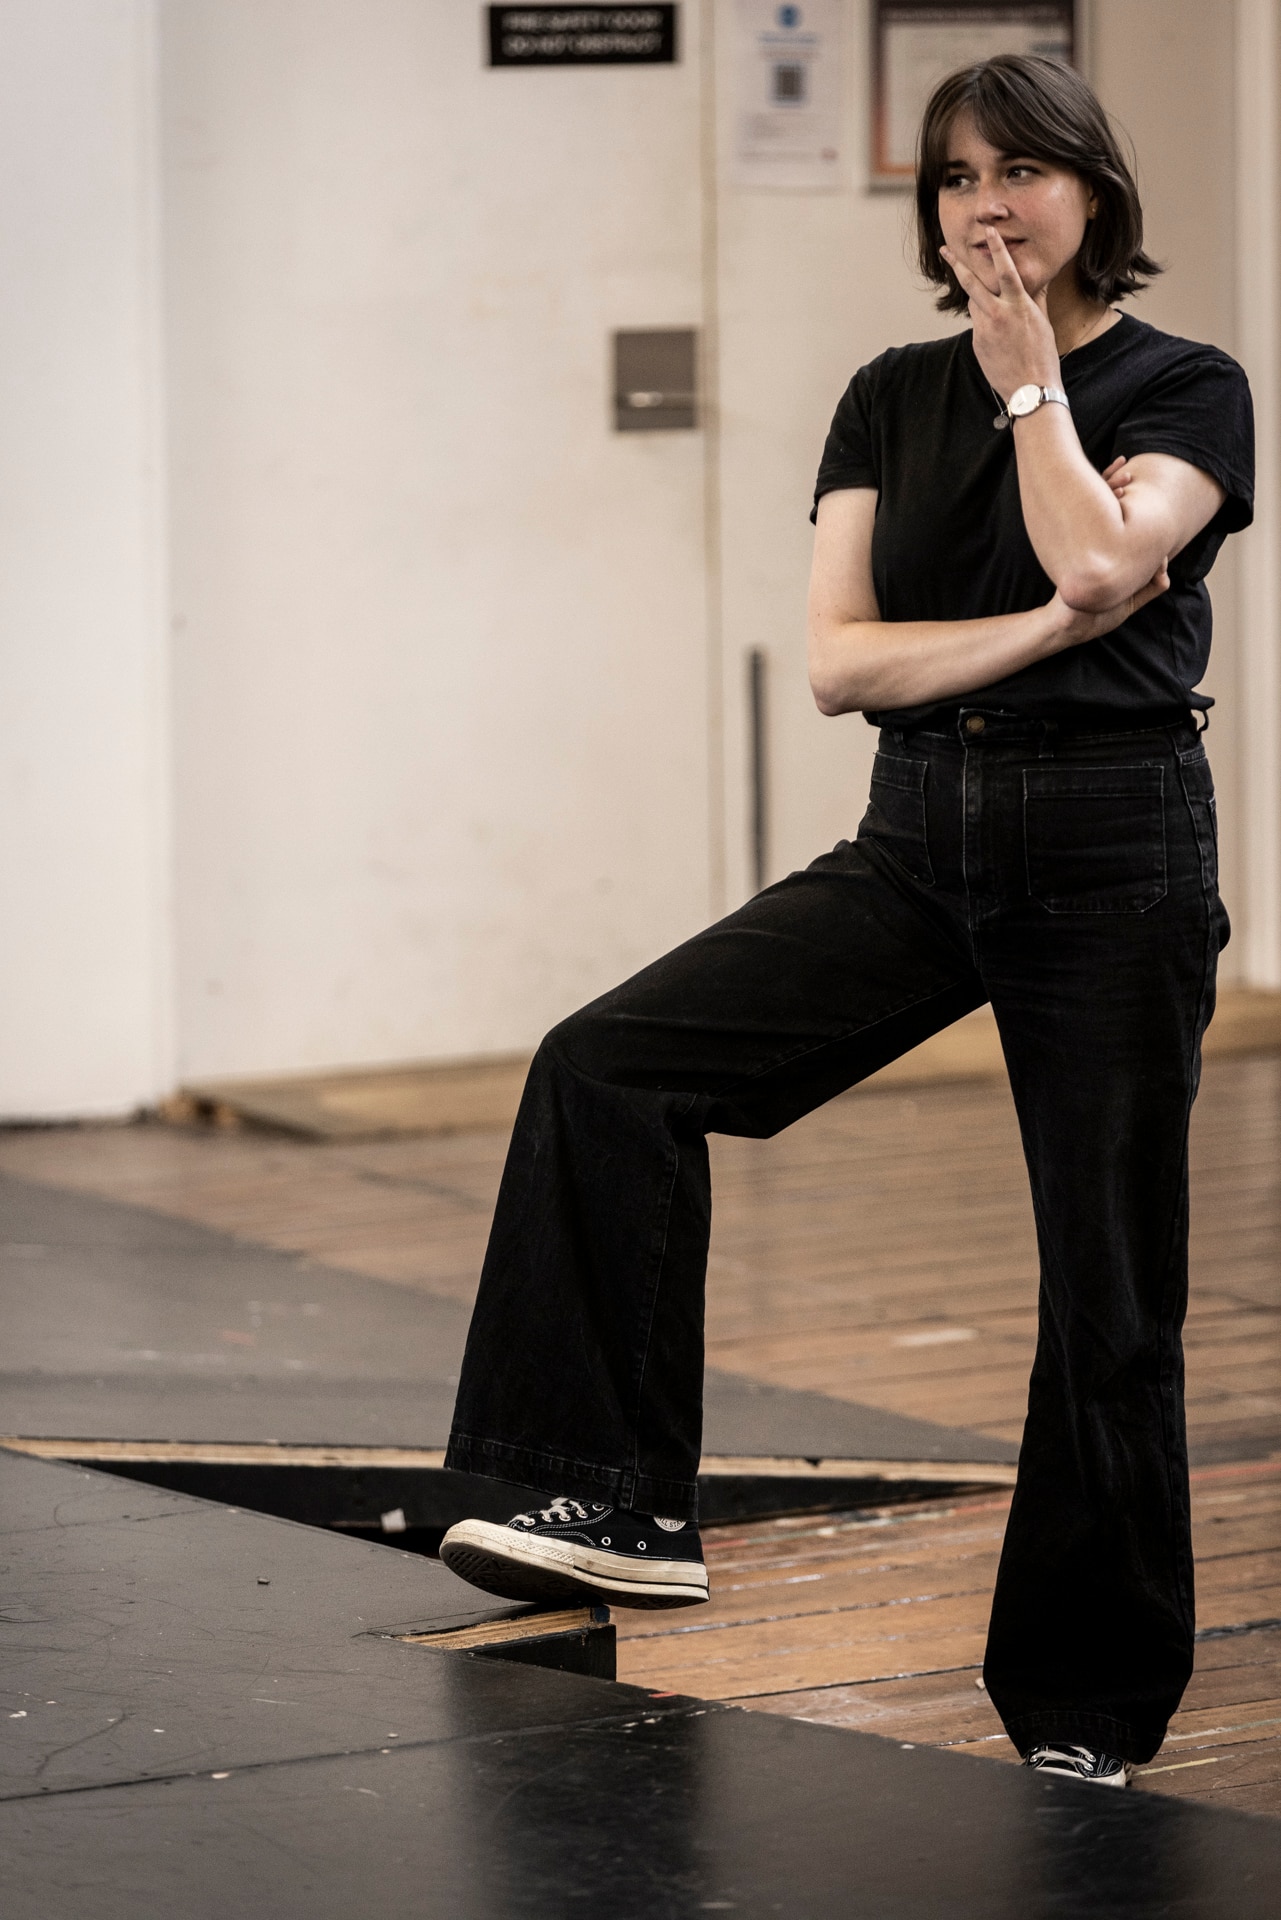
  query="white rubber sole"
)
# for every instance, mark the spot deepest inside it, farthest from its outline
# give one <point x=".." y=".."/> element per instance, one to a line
<point x="502" y="1562"/>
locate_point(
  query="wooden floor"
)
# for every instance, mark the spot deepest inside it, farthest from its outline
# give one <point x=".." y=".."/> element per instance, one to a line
<point x="881" y="1251"/>
<point x="877" y="1621"/>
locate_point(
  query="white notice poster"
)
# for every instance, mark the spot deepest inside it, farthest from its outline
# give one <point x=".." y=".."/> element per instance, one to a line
<point x="788" y="97"/>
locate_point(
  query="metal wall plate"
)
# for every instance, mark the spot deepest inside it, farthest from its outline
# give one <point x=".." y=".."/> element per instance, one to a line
<point x="656" y="380"/>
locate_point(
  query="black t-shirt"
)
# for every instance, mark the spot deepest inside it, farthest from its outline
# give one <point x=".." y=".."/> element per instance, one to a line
<point x="949" y="541"/>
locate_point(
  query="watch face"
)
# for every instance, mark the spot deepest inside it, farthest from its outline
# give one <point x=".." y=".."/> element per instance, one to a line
<point x="1024" y="400"/>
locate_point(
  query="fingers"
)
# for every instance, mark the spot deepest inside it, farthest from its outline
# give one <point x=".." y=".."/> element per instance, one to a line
<point x="1007" y="279"/>
<point x="970" y="282"/>
<point x="1156" y="586"/>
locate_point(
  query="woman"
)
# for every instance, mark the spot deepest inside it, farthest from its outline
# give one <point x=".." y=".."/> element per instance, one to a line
<point x="1013" y="531"/>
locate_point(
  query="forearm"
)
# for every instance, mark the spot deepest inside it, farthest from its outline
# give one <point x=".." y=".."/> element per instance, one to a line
<point x="861" y="665"/>
<point x="1077" y="526"/>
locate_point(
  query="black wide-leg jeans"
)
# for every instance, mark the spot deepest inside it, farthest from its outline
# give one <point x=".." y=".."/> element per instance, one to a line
<point x="1070" y="879"/>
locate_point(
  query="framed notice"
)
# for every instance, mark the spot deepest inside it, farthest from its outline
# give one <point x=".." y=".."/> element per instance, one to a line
<point x="635" y="36"/>
<point x="916" y="42"/>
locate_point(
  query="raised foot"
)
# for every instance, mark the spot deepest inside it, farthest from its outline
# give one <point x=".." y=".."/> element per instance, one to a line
<point x="581" y="1550"/>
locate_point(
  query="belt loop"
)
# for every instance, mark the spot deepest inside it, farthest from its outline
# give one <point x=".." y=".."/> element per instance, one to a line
<point x="1203" y="718"/>
<point x="1048" y="731"/>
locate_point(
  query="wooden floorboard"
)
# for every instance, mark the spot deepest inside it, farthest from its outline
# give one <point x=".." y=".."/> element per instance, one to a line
<point x="877" y="1620"/>
<point x="883" y="1251"/>
<point x="448" y="1096"/>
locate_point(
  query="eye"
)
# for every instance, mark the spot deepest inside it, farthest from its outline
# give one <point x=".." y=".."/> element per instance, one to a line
<point x="952" y="181"/>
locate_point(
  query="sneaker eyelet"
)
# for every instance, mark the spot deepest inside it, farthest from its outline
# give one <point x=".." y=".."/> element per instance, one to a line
<point x="640" y="1546"/>
<point x="605" y="1540"/>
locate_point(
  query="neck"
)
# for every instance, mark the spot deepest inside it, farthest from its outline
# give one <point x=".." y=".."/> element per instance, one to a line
<point x="1072" y="316"/>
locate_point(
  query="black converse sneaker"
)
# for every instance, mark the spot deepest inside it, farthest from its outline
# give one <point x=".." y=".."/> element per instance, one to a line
<point x="581" y="1550"/>
<point x="1080" y="1763"/>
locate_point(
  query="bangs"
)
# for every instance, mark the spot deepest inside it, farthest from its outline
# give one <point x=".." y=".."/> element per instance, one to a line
<point x="1010" y="118"/>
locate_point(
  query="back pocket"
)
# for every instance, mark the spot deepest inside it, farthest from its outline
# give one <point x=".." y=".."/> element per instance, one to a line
<point x="895" y="817"/>
<point x="1095" y="838"/>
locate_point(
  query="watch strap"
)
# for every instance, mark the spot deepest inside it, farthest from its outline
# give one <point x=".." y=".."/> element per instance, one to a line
<point x="1043" y="394"/>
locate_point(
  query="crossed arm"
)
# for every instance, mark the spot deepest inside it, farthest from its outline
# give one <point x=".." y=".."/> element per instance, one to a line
<point x="1105" y="540"/>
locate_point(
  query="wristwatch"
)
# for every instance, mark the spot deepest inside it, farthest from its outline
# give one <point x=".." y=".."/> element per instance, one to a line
<point x="1025" y="400"/>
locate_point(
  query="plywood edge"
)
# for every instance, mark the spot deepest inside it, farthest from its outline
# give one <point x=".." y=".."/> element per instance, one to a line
<point x="230" y="1453"/>
<point x="483" y="1092"/>
<point x="429" y="1096"/>
<point x="273" y="1454"/>
<point x="995" y="1473"/>
<point x="494" y="1633"/>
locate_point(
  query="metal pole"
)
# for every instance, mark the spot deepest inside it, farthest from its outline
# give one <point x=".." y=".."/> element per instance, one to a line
<point x="760" y="814"/>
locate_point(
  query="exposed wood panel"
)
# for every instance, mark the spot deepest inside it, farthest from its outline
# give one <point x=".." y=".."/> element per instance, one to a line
<point x="877" y="1620"/>
<point x="881" y="1250"/>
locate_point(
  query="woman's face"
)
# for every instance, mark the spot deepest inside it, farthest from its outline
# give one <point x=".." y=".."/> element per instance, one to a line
<point x="1040" y="210"/>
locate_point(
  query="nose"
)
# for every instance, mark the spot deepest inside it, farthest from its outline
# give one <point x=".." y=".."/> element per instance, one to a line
<point x="989" y="207"/>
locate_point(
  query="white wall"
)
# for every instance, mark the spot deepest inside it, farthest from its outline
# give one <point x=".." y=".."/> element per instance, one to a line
<point x="1167" y="70"/>
<point x="83" y="989"/>
<point x="440" y="682"/>
<point x="811" y="285"/>
<point x="1257" y="113"/>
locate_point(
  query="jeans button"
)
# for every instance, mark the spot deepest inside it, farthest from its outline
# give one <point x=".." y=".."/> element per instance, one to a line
<point x="975" y="723"/>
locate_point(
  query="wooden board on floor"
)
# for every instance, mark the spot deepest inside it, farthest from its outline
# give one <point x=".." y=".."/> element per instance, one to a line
<point x="452" y="1096"/>
<point x="876" y="1620"/>
<point x="882" y="1250"/>
<point x="457" y="1095"/>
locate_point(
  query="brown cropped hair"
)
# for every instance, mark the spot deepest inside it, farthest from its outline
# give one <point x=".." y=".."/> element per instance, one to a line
<point x="1023" y="104"/>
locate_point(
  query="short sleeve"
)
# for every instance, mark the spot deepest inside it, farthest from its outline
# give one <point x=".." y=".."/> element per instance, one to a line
<point x="848" y="459"/>
<point x="1199" y="409"/>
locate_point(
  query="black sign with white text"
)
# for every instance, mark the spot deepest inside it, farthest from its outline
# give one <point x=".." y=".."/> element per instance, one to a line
<point x="582" y="36"/>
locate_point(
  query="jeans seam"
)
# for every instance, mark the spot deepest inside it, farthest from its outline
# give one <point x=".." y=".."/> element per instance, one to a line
<point x="1187" y="1598"/>
<point x="651" y="1306"/>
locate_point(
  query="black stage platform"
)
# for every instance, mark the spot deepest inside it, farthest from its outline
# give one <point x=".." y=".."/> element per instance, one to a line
<point x="214" y="1712"/>
<point x="211" y="1714"/>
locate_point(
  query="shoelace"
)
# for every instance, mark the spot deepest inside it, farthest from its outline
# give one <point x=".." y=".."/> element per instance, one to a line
<point x="1082" y="1760"/>
<point x="562" y="1508"/>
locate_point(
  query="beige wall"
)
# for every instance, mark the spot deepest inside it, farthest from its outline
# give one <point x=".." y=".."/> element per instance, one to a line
<point x="441" y="726"/>
<point x="1166" y="69"/>
<point x="811" y="286"/>
<point x="84" y="1006"/>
